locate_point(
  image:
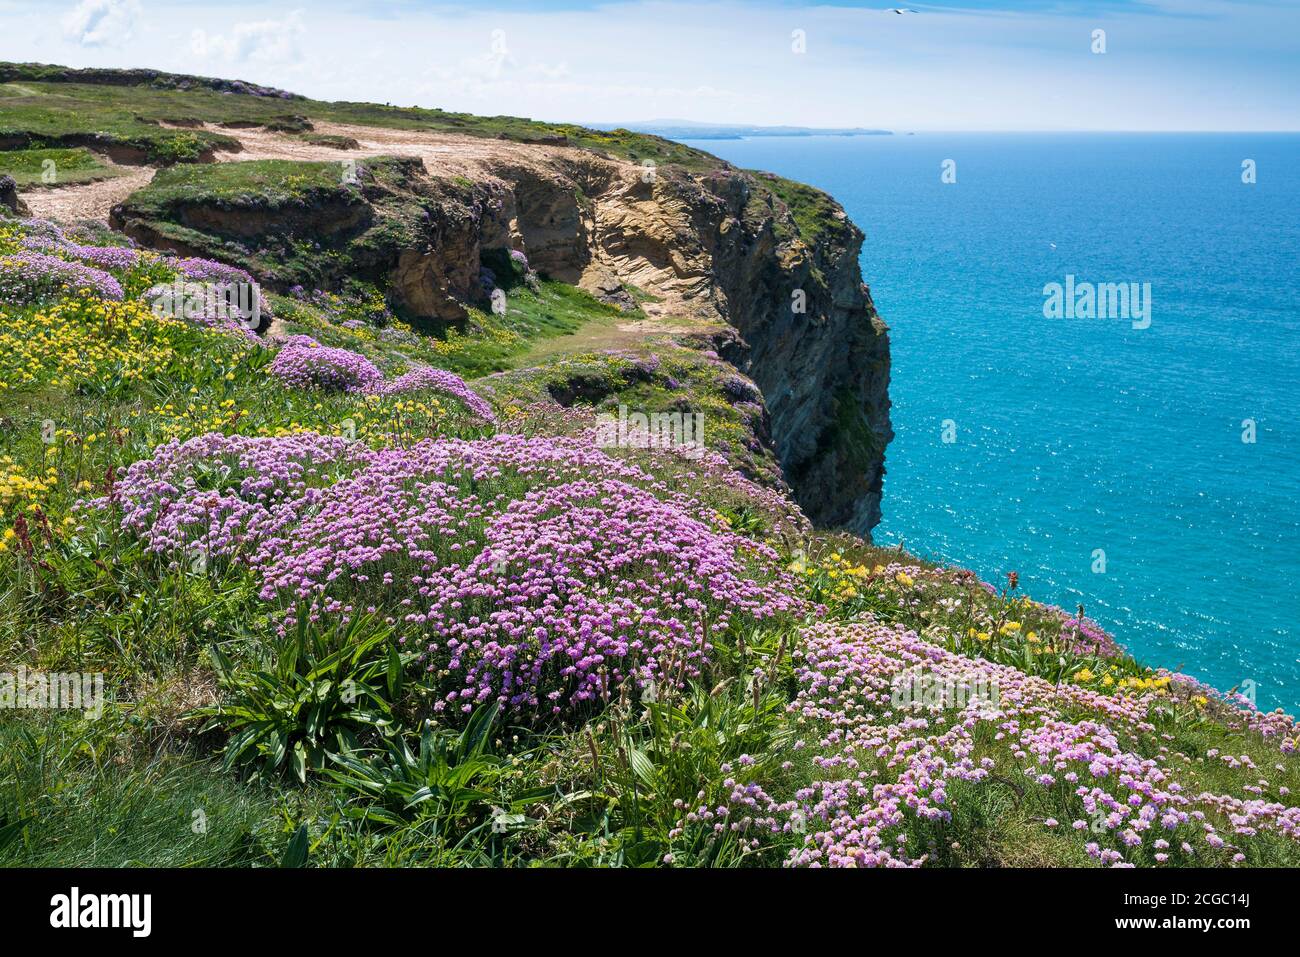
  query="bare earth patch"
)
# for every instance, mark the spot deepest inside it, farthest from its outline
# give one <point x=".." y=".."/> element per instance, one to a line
<point x="444" y="154"/>
<point x="87" y="200"/>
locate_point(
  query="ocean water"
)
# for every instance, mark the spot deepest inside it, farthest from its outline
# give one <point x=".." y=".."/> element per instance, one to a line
<point x="1077" y="440"/>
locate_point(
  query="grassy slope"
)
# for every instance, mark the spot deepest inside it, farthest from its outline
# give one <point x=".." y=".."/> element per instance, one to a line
<point x="141" y="785"/>
<point x="276" y="182"/>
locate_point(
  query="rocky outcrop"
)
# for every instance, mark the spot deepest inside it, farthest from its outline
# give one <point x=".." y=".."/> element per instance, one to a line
<point x="9" y="198"/>
<point x="725" y="244"/>
<point x="157" y="79"/>
<point x="774" y="260"/>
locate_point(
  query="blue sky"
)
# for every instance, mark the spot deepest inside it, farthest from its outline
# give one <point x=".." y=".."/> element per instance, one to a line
<point x="959" y="65"/>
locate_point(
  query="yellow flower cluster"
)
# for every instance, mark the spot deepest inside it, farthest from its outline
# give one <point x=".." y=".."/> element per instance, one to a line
<point x="86" y="339"/>
<point x="364" y="333"/>
<point x="9" y="237"/>
<point x="833" y="577"/>
<point x="197" y="418"/>
<point x="20" y="491"/>
<point x="486" y="331"/>
<point x="1155" y="683"/>
<point x="399" y="417"/>
<point x="1145" y="684"/>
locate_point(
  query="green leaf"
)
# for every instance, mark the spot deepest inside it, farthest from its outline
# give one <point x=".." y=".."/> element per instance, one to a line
<point x="642" y="766"/>
<point x="394" y="673"/>
<point x="480" y="723"/>
<point x="10" y="831"/>
<point x="295" y="855"/>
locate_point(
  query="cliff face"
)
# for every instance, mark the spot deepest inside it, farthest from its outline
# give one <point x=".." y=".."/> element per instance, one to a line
<point x="776" y="261"/>
<point x="817" y="348"/>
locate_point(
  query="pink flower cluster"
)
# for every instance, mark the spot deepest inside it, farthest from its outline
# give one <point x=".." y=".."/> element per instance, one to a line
<point x="888" y="768"/>
<point x="52" y="240"/>
<point x="217" y="494"/>
<point x="426" y="378"/>
<point x="304" y="363"/>
<point x="209" y="270"/>
<point x="30" y="277"/>
<point x="537" y="572"/>
<point x="322" y="367"/>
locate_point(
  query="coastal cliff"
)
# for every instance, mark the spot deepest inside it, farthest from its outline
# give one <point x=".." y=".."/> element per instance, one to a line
<point x="773" y="261"/>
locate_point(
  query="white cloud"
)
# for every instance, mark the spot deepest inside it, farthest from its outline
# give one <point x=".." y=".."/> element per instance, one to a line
<point x="1176" y="64"/>
<point x="95" y="23"/>
<point x="557" y="72"/>
<point x="262" y="41"/>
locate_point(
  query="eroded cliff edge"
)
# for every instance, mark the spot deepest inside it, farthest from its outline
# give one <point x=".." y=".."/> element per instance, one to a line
<point x="774" y="261"/>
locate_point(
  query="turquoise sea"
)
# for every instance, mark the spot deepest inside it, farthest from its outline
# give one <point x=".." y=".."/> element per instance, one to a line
<point x="1076" y="437"/>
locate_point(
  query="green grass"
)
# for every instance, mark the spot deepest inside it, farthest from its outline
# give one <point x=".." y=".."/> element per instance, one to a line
<point x="815" y="213"/>
<point x="267" y="183"/>
<point x="36" y="115"/>
<point x="54" y="166"/>
<point x="536" y="320"/>
<point x="89" y="795"/>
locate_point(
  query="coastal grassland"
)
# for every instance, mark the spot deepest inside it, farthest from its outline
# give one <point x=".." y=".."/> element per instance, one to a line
<point x="37" y="115"/>
<point x="294" y="559"/>
<point x="288" y="222"/>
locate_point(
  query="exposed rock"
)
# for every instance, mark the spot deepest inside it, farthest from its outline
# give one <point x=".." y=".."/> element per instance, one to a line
<point x="17" y="72"/>
<point x="608" y="288"/>
<point x="9" y="198"/>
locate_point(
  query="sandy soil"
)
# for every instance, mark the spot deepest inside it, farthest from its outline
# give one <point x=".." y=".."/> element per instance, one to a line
<point x="87" y="200"/>
<point x="444" y="154"/>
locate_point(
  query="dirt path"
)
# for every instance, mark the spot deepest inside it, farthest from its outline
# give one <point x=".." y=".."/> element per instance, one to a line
<point x="443" y="155"/>
<point x="87" y="200"/>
